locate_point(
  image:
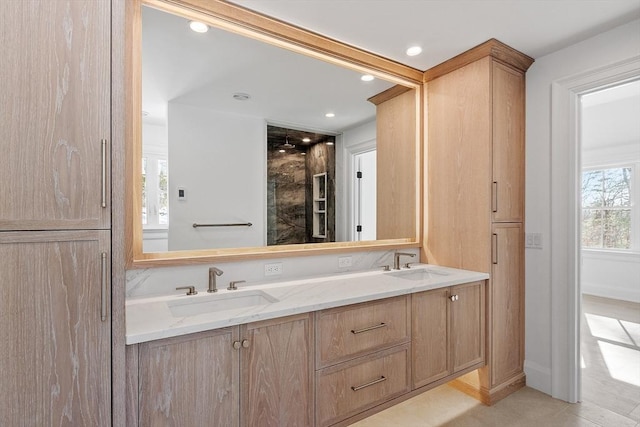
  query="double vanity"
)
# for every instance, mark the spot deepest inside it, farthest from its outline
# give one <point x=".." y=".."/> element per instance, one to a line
<point x="316" y="351"/>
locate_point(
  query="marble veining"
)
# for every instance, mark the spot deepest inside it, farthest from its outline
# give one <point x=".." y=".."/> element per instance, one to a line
<point x="151" y="318"/>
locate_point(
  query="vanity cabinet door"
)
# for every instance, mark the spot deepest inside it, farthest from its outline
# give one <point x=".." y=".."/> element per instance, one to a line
<point x="448" y="332"/>
<point x="277" y="380"/>
<point x="56" y="110"/>
<point x="430" y="336"/>
<point x="55" y="352"/>
<point x="190" y="380"/>
<point x="467" y="325"/>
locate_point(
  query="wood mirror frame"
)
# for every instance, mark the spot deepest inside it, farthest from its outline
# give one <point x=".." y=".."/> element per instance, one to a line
<point x="242" y="21"/>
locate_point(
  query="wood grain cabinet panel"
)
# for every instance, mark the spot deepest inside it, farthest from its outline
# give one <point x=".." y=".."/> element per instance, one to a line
<point x="347" y="332"/>
<point x="448" y="332"/>
<point x="55" y="352"/>
<point x="352" y="387"/>
<point x="430" y="336"/>
<point x="190" y="380"/>
<point x="507" y="300"/>
<point x="508" y="144"/>
<point x="56" y="97"/>
<point x="277" y="373"/>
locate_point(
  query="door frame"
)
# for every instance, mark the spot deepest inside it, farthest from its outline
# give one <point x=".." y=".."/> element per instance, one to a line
<point x="350" y="156"/>
<point x="565" y="224"/>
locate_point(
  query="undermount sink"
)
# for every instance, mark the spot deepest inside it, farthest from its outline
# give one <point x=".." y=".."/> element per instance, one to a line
<point x="419" y="275"/>
<point x="202" y="304"/>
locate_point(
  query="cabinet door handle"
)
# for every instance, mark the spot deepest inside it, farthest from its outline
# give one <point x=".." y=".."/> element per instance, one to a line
<point x="236" y="345"/>
<point x="376" y="381"/>
<point x="103" y="197"/>
<point x="494" y="249"/>
<point x="494" y="196"/>
<point x="245" y="343"/>
<point x="454" y="298"/>
<point x="368" y="328"/>
<point x="103" y="282"/>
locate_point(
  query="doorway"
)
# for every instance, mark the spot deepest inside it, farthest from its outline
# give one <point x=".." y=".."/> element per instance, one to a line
<point x="365" y="195"/>
<point x="609" y="248"/>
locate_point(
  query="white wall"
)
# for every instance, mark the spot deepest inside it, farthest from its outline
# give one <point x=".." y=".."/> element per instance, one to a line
<point x="613" y="46"/>
<point x="220" y="160"/>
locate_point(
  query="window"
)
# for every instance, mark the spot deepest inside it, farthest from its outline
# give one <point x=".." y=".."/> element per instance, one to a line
<point x="607" y="208"/>
<point x="155" y="196"/>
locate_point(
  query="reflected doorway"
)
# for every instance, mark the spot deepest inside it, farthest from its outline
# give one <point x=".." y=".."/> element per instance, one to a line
<point x="365" y="195"/>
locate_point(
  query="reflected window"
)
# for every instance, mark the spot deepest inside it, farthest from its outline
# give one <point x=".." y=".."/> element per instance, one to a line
<point x="155" y="195"/>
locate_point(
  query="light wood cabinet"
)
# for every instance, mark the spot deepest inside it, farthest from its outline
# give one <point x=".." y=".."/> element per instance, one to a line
<point x="475" y="155"/>
<point x="352" y="387"/>
<point x="277" y="381"/>
<point x="507" y="301"/>
<point x="346" y="332"/>
<point x="448" y="332"/>
<point x="55" y="356"/>
<point x="258" y="374"/>
<point x="56" y="94"/>
<point x="396" y="127"/>
<point x="55" y="252"/>
<point x="190" y="380"/>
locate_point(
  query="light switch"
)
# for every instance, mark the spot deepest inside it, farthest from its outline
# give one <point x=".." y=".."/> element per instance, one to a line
<point x="182" y="193"/>
<point x="533" y="240"/>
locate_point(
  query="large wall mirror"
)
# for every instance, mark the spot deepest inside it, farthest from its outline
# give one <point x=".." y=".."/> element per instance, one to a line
<point x="252" y="142"/>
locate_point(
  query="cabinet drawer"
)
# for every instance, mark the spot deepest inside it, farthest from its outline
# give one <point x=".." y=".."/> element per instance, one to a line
<point x="347" y="332"/>
<point x="355" y="386"/>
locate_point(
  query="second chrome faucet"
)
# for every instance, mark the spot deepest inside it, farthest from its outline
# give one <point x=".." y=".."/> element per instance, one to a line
<point x="396" y="259"/>
<point x="213" y="272"/>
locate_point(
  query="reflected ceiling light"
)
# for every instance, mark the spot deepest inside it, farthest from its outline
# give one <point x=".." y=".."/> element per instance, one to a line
<point x="306" y="139"/>
<point x="414" y="50"/>
<point x="239" y="96"/>
<point x="303" y="153"/>
<point x="329" y="142"/>
<point x="367" y="78"/>
<point x="330" y="115"/>
<point x="198" y="27"/>
<point x="145" y="113"/>
<point x="281" y="151"/>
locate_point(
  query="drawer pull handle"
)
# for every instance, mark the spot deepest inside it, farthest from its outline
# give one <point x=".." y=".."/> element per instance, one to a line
<point x="368" y="328"/>
<point x="376" y="381"/>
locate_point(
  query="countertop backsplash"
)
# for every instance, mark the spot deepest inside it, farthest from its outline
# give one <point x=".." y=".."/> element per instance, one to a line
<point x="163" y="280"/>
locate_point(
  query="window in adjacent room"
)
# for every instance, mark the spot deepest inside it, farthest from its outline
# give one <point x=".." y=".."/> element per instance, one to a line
<point x="607" y="208"/>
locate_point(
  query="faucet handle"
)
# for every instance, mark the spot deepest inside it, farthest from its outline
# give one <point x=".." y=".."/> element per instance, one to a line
<point x="191" y="290"/>
<point x="232" y="285"/>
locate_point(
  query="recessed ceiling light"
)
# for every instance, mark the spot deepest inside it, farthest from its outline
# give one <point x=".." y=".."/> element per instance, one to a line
<point x="367" y="78"/>
<point x="306" y="139"/>
<point x="330" y="115"/>
<point x="414" y="50"/>
<point x="329" y="142"/>
<point x="281" y="151"/>
<point x="304" y="154"/>
<point x="198" y="27"/>
<point x="241" y="96"/>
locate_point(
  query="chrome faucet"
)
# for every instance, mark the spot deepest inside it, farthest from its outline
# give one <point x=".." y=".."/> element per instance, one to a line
<point x="396" y="259"/>
<point x="213" y="272"/>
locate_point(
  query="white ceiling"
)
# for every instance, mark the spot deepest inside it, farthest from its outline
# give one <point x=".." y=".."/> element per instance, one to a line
<point x="445" y="28"/>
<point x="287" y="88"/>
<point x="610" y="118"/>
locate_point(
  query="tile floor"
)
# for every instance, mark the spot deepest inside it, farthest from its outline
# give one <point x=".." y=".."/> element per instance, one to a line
<point x="611" y="385"/>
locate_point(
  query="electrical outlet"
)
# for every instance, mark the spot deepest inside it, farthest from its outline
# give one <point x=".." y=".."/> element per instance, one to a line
<point x="273" y="269"/>
<point x="344" y="261"/>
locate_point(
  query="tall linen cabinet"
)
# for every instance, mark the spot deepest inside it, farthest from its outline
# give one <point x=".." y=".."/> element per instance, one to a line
<point x="475" y="195"/>
<point x="55" y="213"/>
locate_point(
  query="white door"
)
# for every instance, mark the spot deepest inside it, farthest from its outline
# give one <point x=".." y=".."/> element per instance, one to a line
<point x="365" y="195"/>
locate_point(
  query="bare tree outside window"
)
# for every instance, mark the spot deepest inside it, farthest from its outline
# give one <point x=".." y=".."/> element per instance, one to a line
<point x="606" y="208"/>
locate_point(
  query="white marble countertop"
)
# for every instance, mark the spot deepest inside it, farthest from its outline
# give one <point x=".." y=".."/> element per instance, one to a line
<point x="153" y="318"/>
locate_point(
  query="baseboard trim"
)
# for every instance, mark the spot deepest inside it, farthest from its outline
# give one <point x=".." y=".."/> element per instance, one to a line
<point x="538" y="376"/>
<point x="491" y="396"/>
